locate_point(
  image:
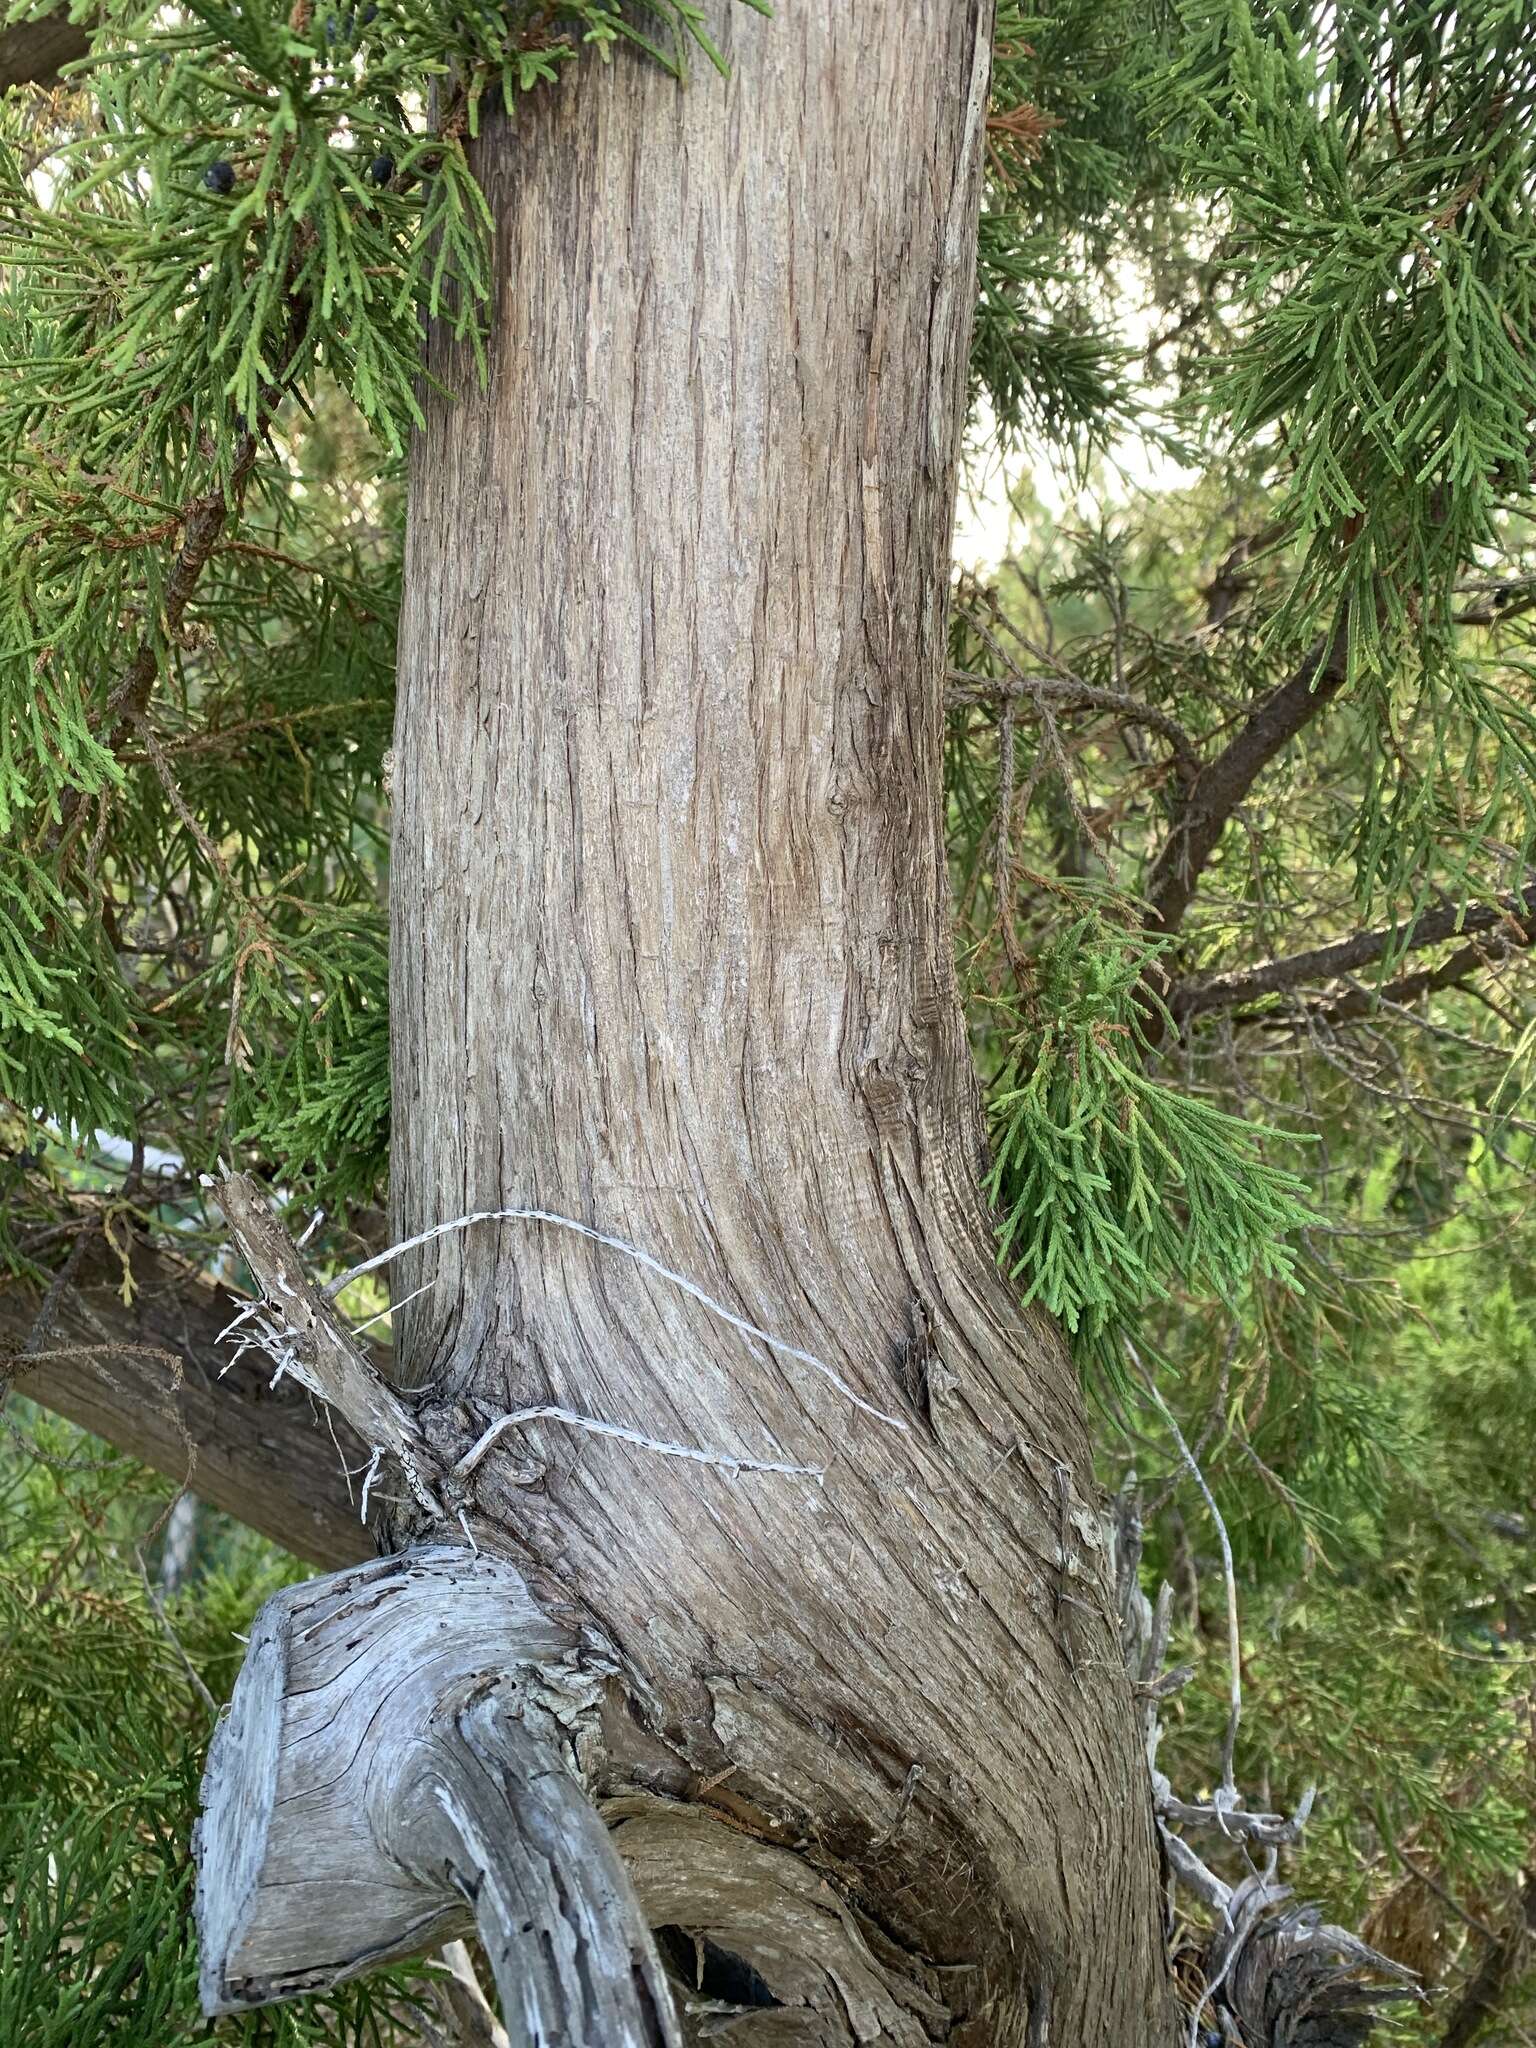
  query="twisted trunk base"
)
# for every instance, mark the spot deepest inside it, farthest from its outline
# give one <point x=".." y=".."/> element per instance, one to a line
<point x="415" y="1741"/>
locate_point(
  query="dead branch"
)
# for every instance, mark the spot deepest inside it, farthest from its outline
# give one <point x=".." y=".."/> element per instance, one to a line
<point x="303" y="1333"/>
<point x="1071" y="693"/>
<point x="1267" y="1966"/>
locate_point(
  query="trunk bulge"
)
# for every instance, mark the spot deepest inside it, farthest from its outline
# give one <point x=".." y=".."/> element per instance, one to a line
<point x="672" y="959"/>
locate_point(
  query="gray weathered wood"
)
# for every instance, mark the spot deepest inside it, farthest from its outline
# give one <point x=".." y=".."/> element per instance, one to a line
<point x="832" y="1975"/>
<point x="315" y="1346"/>
<point x="398" y="1765"/>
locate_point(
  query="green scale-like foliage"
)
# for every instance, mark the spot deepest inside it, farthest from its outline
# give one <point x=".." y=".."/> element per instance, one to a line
<point x="1113" y="1187"/>
<point x="1375" y="172"/>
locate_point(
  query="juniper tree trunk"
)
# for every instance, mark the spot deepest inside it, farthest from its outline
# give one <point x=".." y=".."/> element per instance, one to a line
<point x="672" y="958"/>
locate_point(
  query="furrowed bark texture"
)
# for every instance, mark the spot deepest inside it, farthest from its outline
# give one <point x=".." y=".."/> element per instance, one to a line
<point x="672" y="957"/>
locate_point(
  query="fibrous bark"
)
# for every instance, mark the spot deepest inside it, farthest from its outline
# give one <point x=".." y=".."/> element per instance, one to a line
<point x="672" y="957"/>
<point x="671" y="949"/>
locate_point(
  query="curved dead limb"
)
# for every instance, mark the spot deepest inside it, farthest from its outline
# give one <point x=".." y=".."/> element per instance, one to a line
<point x="1275" y="1974"/>
<point x="399" y="1763"/>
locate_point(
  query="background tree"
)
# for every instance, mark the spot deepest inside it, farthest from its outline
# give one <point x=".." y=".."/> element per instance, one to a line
<point x="1238" y="824"/>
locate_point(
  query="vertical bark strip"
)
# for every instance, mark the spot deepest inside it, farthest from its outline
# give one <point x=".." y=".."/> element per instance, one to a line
<point x="672" y="957"/>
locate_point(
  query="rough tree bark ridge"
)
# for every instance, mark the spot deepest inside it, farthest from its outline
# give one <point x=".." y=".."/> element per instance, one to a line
<point x="672" y="957"/>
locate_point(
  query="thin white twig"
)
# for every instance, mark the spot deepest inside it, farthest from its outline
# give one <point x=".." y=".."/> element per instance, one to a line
<point x="618" y="1244"/>
<point x="369" y="1476"/>
<point x="477" y="1450"/>
<point x="330" y="1423"/>
<point x="358" y="1328"/>
<point x="245" y="1344"/>
<point x="172" y="1638"/>
<point x="1234" y="1639"/>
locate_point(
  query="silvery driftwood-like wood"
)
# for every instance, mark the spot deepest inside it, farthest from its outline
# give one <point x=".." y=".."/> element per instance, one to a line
<point x="398" y="1766"/>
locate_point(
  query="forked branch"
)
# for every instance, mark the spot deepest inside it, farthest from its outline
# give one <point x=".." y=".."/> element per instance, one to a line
<point x="1512" y="916"/>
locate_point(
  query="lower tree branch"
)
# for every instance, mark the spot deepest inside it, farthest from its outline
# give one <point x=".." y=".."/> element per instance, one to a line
<point x="262" y="1454"/>
<point x="1455" y="971"/>
<point x="35" y="52"/>
<point x="399" y="1763"/>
